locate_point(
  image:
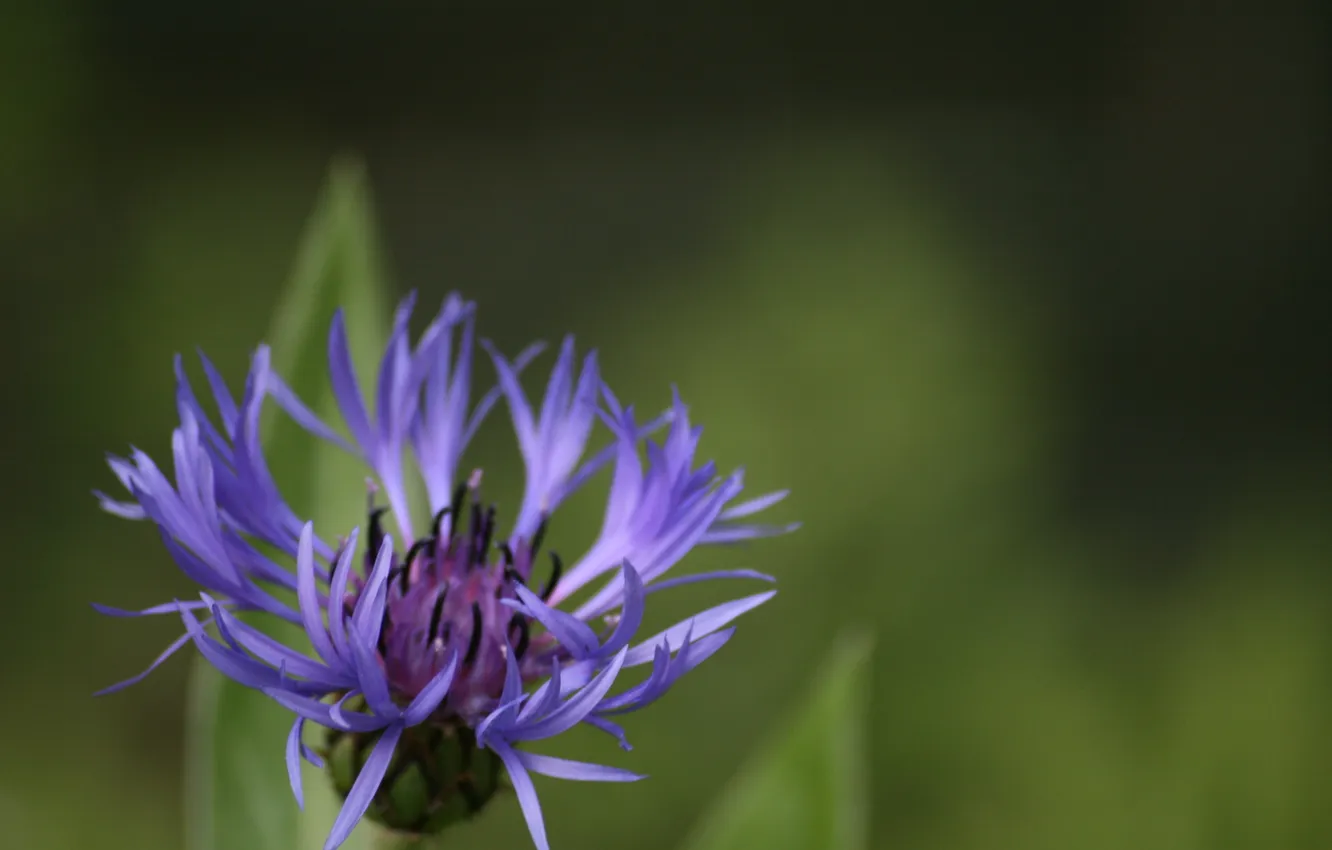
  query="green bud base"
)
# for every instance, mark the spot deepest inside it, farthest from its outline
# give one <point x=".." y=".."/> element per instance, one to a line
<point x="438" y="775"/>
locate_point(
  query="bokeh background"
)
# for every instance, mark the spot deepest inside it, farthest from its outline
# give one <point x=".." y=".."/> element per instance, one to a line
<point x="1026" y="302"/>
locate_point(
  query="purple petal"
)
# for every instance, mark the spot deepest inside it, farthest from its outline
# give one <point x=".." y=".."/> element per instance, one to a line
<point x="302" y="415"/>
<point x="612" y="729"/>
<point x="627" y="481"/>
<point x="695" y="652"/>
<point x="276" y="654"/>
<point x="346" y="388"/>
<point x="368" y="618"/>
<point x="574" y="709"/>
<point x="663" y="552"/>
<point x="573" y="634"/>
<point x="437" y="434"/>
<point x="753" y="506"/>
<point x="526" y="356"/>
<point x="124" y="471"/>
<point x="364" y="788"/>
<point x="257" y="565"/>
<point x="247" y="595"/>
<point x="499" y="718"/>
<point x="311" y="756"/>
<point x="691" y="655"/>
<point x="115" y="507"/>
<point x="545" y="698"/>
<point x="527" y="797"/>
<point x="567" y="435"/>
<point x="712" y="576"/>
<point x="557" y="391"/>
<point x="201" y="571"/>
<point x="373" y="681"/>
<point x="431" y="695"/>
<point x="689" y="528"/>
<point x="393" y="369"/>
<point x="513" y="677"/>
<point x="232" y="663"/>
<point x="294" y="761"/>
<point x="134" y="680"/>
<point x="164" y="608"/>
<point x="657" y="681"/>
<point x="322" y="713"/>
<point x="579" y="770"/>
<point x="308" y="595"/>
<point x="523" y="424"/>
<point x="337" y="597"/>
<point x="701" y="624"/>
<point x="631" y="614"/>
<point x="736" y="534"/>
<point x="166" y="508"/>
<point x="187" y="401"/>
<point x="226" y="403"/>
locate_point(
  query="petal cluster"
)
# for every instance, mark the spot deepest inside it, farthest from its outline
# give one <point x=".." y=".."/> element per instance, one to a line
<point x="451" y="626"/>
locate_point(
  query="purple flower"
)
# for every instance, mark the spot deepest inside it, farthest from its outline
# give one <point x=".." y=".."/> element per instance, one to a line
<point x="433" y="659"/>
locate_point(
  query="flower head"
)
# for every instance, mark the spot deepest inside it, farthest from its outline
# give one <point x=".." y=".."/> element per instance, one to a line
<point x="434" y="656"/>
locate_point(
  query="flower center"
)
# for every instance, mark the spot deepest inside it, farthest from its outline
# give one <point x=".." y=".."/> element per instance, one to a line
<point x="446" y="595"/>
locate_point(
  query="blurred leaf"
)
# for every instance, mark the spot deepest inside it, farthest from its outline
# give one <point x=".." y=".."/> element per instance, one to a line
<point x="237" y="794"/>
<point x="807" y="787"/>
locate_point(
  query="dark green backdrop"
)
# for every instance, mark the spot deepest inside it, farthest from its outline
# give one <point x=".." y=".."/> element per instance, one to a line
<point x="1026" y="304"/>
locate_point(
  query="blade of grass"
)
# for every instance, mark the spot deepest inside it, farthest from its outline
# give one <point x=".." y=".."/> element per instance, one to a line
<point x="237" y="794"/>
<point x="806" y="789"/>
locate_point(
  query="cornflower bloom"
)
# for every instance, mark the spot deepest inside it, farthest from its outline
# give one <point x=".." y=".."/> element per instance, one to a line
<point x="434" y="656"/>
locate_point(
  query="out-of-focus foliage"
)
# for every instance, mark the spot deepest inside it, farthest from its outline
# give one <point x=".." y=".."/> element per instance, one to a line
<point x="1039" y="374"/>
<point x="808" y="787"/>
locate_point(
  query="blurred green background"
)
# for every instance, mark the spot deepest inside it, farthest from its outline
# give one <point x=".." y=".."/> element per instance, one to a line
<point x="1026" y="303"/>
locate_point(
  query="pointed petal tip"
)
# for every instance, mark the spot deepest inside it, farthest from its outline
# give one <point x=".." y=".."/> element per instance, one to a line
<point x="113" y="611"/>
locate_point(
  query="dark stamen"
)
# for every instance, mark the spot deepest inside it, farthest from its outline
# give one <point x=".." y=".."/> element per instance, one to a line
<point x="524" y="635"/>
<point x="539" y="536"/>
<point x="474" y="645"/>
<point x="436" y="614"/>
<point x="511" y="575"/>
<point x="556" y="570"/>
<point x="455" y="509"/>
<point x="383" y="633"/>
<point x="376" y="531"/>
<point x="416" y="549"/>
<point x="507" y="553"/>
<point x="438" y="524"/>
<point x="476" y="528"/>
<point x="396" y="572"/>
<point x="487" y="535"/>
